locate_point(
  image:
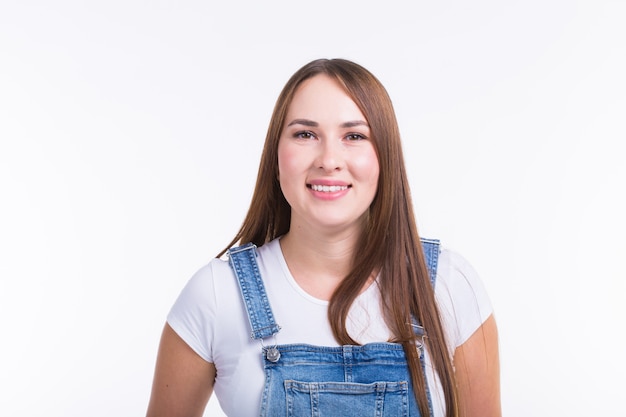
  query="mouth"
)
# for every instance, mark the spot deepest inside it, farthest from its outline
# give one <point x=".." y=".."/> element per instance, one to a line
<point x="328" y="188"/>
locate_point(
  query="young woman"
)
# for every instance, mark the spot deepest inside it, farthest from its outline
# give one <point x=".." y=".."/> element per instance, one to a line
<point x="332" y="305"/>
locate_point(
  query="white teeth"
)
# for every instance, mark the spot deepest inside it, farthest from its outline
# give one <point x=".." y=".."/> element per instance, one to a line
<point x="329" y="188"/>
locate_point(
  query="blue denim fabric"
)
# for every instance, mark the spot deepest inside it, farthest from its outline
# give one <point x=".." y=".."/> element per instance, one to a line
<point x="317" y="381"/>
<point x="330" y="381"/>
<point x="243" y="262"/>
<point x="431" y="253"/>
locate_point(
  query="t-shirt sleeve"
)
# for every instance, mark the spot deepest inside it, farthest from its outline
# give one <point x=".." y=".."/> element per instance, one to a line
<point x="462" y="299"/>
<point x="192" y="316"/>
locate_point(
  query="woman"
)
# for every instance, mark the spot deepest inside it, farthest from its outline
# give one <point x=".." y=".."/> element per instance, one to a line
<point x="328" y="306"/>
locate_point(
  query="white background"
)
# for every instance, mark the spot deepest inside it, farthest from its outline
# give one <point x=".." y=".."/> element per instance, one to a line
<point x="130" y="135"/>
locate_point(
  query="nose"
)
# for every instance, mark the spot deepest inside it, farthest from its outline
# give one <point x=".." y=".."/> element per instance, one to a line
<point x="330" y="157"/>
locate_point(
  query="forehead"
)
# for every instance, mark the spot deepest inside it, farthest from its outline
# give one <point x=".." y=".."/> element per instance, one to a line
<point x="322" y="96"/>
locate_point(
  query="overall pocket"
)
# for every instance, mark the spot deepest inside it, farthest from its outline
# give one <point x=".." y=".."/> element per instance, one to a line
<point x="331" y="399"/>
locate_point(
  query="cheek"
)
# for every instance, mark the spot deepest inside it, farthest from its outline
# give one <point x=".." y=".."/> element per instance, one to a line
<point x="285" y="161"/>
<point x="290" y="165"/>
<point x="367" y="167"/>
<point x="292" y="159"/>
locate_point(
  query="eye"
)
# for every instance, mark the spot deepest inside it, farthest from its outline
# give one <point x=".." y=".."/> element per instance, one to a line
<point x="355" y="137"/>
<point x="304" y="134"/>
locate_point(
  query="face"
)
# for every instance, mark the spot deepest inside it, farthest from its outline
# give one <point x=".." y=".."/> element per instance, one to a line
<point x="328" y="168"/>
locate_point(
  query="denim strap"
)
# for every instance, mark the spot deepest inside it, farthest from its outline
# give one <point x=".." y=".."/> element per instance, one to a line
<point x="243" y="261"/>
<point x="431" y="253"/>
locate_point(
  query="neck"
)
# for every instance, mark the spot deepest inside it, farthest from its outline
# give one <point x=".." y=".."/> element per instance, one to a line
<point x="318" y="261"/>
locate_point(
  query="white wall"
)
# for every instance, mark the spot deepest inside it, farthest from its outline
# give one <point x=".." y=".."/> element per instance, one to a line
<point x="130" y="133"/>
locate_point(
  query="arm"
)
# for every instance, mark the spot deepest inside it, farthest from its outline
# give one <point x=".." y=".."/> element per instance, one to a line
<point x="183" y="381"/>
<point x="477" y="368"/>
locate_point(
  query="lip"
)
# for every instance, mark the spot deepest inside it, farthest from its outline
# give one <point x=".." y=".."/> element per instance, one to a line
<point x="328" y="183"/>
<point x="343" y="186"/>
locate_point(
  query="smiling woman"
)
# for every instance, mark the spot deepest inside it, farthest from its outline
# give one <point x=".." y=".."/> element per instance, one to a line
<point x="328" y="304"/>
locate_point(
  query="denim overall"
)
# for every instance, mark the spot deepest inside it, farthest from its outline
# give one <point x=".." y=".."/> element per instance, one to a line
<point x="316" y="381"/>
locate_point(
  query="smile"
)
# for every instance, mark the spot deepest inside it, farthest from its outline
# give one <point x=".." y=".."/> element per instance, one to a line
<point x="328" y="188"/>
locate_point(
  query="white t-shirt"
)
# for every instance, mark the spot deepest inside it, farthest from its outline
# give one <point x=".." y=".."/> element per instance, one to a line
<point x="210" y="317"/>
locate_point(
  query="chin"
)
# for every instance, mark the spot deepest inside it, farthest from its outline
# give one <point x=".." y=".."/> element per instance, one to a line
<point x="337" y="224"/>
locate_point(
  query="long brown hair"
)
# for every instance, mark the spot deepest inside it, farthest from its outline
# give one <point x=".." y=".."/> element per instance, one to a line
<point x="389" y="242"/>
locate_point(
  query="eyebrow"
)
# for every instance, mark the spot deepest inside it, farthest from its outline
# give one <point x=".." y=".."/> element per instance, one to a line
<point x="304" y="122"/>
<point x="311" y="123"/>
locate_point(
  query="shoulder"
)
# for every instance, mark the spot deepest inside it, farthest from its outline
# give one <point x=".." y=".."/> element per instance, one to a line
<point x="461" y="296"/>
<point x="210" y="281"/>
<point x="453" y="267"/>
<point x="199" y="304"/>
<point x="202" y="285"/>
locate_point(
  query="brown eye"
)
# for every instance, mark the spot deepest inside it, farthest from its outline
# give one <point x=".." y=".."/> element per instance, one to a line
<point x="355" y="137"/>
<point x="304" y="135"/>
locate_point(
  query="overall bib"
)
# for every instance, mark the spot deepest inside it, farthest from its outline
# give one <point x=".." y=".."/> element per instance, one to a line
<point x="316" y="381"/>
